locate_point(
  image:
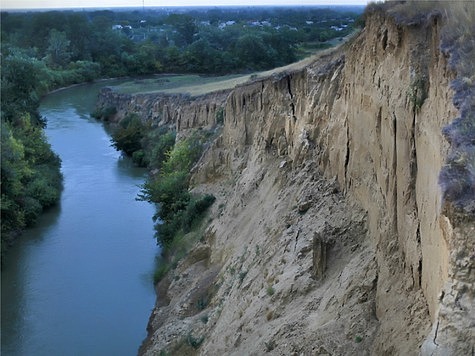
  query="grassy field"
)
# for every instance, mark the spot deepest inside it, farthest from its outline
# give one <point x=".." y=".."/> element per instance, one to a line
<point x="196" y="85"/>
<point x="190" y="84"/>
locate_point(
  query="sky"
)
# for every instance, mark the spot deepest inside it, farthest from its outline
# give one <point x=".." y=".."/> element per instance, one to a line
<point x="48" y="4"/>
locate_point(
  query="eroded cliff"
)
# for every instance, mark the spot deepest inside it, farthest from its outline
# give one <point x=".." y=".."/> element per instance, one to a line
<point x="329" y="234"/>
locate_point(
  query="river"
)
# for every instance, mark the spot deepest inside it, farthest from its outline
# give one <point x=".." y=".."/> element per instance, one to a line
<point x="80" y="281"/>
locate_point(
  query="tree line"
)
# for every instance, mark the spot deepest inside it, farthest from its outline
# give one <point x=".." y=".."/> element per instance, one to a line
<point x="82" y="45"/>
<point x="30" y="171"/>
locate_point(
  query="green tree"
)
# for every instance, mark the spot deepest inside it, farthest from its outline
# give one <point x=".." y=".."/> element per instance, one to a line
<point x="31" y="181"/>
<point x="179" y="209"/>
<point x="254" y="53"/>
<point x="23" y="81"/>
<point x="80" y="33"/>
<point x="128" y="135"/>
<point x="184" y="25"/>
<point x="200" y="57"/>
<point x="58" y="54"/>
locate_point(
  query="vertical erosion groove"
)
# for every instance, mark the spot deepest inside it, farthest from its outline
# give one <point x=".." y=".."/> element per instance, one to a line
<point x="292" y="105"/>
<point x="394" y="174"/>
<point x="347" y="155"/>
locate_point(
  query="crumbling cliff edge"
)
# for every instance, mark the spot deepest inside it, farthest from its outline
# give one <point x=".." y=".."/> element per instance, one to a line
<point x="330" y="233"/>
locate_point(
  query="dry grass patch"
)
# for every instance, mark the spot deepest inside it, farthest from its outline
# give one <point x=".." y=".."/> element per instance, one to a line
<point x="196" y="85"/>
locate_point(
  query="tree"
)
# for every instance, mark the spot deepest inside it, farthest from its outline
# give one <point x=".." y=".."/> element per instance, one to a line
<point x="58" y="54"/>
<point x="202" y="58"/>
<point x="254" y="53"/>
<point x="128" y="135"/>
<point x="23" y="83"/>
<point x="80" y="33"/>
<point x="185" y="26"/>
<point x="31" y="180"/>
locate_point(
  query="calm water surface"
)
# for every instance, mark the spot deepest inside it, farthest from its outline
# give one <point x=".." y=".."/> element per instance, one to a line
<point x="80" y="281"/>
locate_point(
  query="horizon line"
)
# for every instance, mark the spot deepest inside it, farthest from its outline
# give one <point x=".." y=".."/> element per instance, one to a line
<point x="119" y="6"/>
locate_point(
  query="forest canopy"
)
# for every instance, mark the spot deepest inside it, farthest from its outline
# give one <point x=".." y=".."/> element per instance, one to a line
<point x="81" y="46"/>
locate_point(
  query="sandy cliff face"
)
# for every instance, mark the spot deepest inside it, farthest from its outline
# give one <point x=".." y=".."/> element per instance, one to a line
<point x="328" y="235"/>
<point x="175" y="110"/>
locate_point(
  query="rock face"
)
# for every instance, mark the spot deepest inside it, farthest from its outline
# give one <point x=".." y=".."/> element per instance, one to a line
<point x="174" y="110"/>
<point x="329" y="234"/>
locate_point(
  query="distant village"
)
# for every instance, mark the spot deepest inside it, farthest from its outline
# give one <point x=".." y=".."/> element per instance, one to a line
<point x="141" y="31"/>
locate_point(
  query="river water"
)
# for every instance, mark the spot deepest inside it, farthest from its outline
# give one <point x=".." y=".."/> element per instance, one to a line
<point x="80" y="281"/>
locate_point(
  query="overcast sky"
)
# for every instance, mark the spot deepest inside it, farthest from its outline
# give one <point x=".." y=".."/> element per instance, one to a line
<point x="44" y="4"/>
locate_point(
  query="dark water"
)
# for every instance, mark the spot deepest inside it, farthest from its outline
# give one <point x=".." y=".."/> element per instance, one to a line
<point x="80" y="282"/>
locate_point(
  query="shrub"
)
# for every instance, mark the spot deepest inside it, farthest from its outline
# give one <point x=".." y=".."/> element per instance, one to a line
<point x="202" y="303"/>
<point x="194" y="342"/>
<point x="418" y="92"/>
<point x="104" y="113"/>
<point x="156" y="144"/>
<point x="160" y="272"/>
<point x="31" y="180"/>
<point x="179" y="210"/>
<point x="128" y="134"/>
<point x="140" y="158"/>
<point x="195" y="209"/>
<point x="220" y="116"/>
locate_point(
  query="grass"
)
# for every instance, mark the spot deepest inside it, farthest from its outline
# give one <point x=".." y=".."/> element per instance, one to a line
<point x="177" y="250"/>
<point x="173" y="254"/>
<point x="196" y="85"/>
<point x="191" y="84"/>
<point x="418" y="92"/>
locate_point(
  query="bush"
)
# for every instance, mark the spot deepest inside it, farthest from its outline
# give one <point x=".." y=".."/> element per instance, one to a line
<point x="179" y="210"/>
<point x="195" y="209"/>
<point x="157" y="144"/>
<point x="417" y="92"/>
<point x="160" y="272"/>
<point x="148" y="147"/>
<point x="220" y="116"/>
<point x="104" y="114"/>
<point x="140" y="158"/>
<point x="194" y="342"/>
<point x="31" y="179"/>
<point x="128" y="135"/>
